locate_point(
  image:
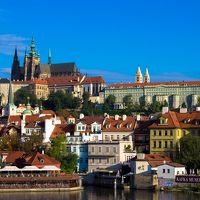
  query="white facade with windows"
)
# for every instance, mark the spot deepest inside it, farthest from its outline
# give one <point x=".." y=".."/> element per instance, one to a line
<point x="170" y="170"/>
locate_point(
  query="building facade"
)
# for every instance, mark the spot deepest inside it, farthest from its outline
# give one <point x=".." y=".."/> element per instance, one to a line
<point x="170" y="127"/>
<point x="174" y="93"/>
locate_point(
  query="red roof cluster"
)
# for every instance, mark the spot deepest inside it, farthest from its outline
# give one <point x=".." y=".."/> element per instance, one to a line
<point x="178" y="120"/>
<point x="113" y="124"/>
<point x="37" y="159"/>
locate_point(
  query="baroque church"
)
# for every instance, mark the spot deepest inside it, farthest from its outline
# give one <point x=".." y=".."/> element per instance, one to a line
<point x="33" y="69"/>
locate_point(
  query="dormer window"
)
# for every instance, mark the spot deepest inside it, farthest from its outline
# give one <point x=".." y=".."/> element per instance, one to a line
<point x="163" y="121"/>
<point x="118" y="125"/>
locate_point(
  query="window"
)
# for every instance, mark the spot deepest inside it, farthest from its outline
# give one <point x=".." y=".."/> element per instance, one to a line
<point x="99" y="160"/>
<point x="74" y="149"/>
<point x="81" y="160"/>
<point x="177" y="172"/>
<point x="171" y="144"/>
<point x="160" y="144"/>
<point x="114" y="150"/>
<point x="81" y="149"/>
<point x="92" y="149"/>
<point x="107" y="149"/>
<point x="165" y="144"/>
<point x="163" y="171"/>
<point x="168" y="171"/>
<point x="117" y="137"/>
<point x="154" y="144"/>
<point x="166" y="133"/>
<point x="160" y="133"/>
<point x="107" y="160"/>
<point x="171" y="132"/>
<point x="154" y="133"/>
<point x="99" y="149"/>
<point x="111" y="137"/>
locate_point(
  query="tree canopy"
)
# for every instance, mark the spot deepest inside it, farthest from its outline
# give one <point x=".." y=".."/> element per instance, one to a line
<point x="189" y="152"/>
<point x="61" y="100"/>
<point x="58" y="151"/>
<point x="21" y="95"/>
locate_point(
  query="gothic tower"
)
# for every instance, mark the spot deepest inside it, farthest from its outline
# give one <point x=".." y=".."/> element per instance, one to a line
<point x="49" y="57"/>
<point x="146" y="76"/>
<point x="10" y="108"/>
<point x="15" y="73"/>
<point x="138" y="76"/>
<point x="31" y="61"/>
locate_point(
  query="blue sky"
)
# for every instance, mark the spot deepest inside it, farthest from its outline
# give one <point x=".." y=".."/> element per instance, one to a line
<point x="107" y="37"/>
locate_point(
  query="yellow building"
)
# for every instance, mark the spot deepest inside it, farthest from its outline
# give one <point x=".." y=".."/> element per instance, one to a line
<point x="166" y="132"/>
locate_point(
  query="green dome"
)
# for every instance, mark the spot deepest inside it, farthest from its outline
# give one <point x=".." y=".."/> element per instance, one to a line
<point x="27" y="112"/>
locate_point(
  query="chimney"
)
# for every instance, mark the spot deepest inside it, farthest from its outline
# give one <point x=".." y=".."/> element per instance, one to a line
<point x="140" y="156"/>
<point x="165" y="110"/>
<point x="116" y="117"/>
<point x="124" y="117"/>
<point x="81" y="116"/>
<point x="138" y="117"/>
<point x="183" y="110"/>
<point x="198" y="108"/>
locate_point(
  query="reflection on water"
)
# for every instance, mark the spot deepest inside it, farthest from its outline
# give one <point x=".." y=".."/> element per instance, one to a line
<point x="96" y="193"/>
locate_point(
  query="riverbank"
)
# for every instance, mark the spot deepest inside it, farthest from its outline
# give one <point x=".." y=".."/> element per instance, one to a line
<point x="41" y="189"/>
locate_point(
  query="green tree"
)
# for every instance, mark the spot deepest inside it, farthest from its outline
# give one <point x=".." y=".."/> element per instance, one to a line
<point x="58" y="151"/>
<point x="183" y="105"/>
<point x="10" y="142"/>
<point x="58" y="147"/>
<point x="127" y="100"/>
<point x="165" y="104"/>
<point x="69" y="163"/>
<point x="198" y="101"/>
<point x="189" y="152"/>
<point x="33" y="143"/>
<point x="21" y="95"/>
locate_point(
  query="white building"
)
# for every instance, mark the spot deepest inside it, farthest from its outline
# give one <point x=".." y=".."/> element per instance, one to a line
<point x="170" y="170"/>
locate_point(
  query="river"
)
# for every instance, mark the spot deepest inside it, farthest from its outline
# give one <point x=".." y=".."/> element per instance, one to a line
<point x="96" y="193"/>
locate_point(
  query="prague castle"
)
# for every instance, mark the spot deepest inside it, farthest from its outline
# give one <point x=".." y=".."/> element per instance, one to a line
<point x="175" y="93"/>
<point x="33" y="69"/>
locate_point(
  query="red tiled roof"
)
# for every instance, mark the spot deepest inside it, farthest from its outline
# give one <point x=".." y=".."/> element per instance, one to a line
<point x="41" y="160"/>
<point x="132" y="85"/>
<point x="91" y="119"/>
<point x="112" y="125"/>
<point x="154" y="159"/>
<point x="48" y="112"/>
<point x="178" y="120"/>
<point x="173" y="164"/>
<point x="59" y="129"/>
<point x="12" y="156"/>
<point x="64" y="80"/>
<point x="93" y="79"/>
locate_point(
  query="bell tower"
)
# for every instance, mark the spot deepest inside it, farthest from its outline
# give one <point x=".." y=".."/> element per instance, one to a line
<point x="31" y="61"/>
<point x="138" y="76"/>
<point x="146" y="76"/>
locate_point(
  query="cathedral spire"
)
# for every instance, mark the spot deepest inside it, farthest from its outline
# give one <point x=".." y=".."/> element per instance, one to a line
<point x="138" y="76"/>
<point x="146" y="76"/>
<point x="15" y="72"/>
<point x="49" y="57"/>
<point x="32" y="46"/>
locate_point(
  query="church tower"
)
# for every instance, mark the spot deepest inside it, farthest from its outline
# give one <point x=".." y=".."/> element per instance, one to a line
<point x="146" y="76"/>
<point x="49" y="57"/>
<point x="31" y="61"/>
<point x="10" y="108"/>
<point x="15" y="73"/>
<point x="138" y="76"/>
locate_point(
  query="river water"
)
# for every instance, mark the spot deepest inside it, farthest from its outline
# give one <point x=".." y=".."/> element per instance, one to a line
<point x="96" y="193"/>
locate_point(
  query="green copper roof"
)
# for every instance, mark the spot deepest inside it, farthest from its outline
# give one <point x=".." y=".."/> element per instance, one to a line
<point x="27" y="112"/>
